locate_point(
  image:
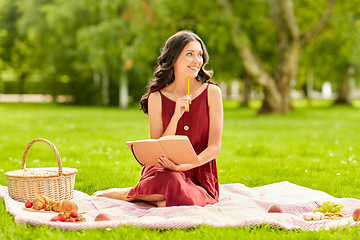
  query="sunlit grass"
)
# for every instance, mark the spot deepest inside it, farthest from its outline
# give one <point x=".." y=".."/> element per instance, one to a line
<point x="313" y="146"/>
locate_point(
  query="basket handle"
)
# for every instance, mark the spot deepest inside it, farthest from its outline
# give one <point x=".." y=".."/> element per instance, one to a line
<point x="50" y="144"/>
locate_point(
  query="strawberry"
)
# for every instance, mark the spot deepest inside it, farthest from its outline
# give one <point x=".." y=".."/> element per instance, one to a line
<point x="71" y="219"/>
<point x="67" y="215"/>
<point x="54" y="219"/>
<point x="28" y="204"/>
<point x="61" y="217"/>
<point x="47" y="207"/>
<point x="79" y="218"/>
<point x="74" y="214"/>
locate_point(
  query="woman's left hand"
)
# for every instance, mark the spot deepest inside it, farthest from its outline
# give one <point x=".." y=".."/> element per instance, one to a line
<point x="166" y="163"/>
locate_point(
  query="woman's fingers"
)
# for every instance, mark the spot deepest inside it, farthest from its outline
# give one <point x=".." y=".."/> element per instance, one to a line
<point x="166" y="163"/>
<point x="183" y="103"/>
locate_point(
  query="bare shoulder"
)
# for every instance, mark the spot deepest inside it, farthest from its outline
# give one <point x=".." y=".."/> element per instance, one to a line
<point x="154" y="97"/>
<point x="154" y="102"/>
<point x="214" y="91"/>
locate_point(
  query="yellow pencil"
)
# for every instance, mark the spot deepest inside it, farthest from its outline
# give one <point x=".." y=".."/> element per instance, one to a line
<point x="188" y="92"/>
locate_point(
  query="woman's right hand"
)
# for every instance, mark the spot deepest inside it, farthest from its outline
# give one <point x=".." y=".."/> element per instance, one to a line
<point x="181" y="106"/>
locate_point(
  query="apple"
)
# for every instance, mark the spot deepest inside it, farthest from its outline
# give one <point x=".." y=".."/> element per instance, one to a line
<point x="102" y="217"/>
<point x="275" y="209"/>
<point x="356" y="214"/>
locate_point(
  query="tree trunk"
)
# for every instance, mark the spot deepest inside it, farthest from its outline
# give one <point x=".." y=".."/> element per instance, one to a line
<point x="247" y="91"/>
<point x="105" y="89"/>
<point x="97" y="79"/>
<point x="97" y="85"/>
<point x="309" y="85"/>
<point x="345" y="93"/>
<point x="123" y="90"/>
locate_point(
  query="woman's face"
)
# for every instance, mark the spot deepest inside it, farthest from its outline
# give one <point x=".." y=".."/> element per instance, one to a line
<point x="190" y="60"/>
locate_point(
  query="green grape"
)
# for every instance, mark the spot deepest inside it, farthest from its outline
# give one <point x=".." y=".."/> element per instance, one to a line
<point x="330" y="207"/>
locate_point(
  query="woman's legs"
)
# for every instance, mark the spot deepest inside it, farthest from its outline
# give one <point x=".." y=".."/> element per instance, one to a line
<point x="121" y="194"/>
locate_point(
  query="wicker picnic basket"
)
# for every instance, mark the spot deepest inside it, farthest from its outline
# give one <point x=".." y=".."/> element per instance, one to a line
<point x="56" y="183"/>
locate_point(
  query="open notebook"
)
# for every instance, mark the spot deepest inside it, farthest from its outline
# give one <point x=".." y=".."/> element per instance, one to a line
<point x="175" y="147"/>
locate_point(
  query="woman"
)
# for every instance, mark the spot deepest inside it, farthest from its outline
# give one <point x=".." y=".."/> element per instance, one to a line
<point x="171" y="111"/>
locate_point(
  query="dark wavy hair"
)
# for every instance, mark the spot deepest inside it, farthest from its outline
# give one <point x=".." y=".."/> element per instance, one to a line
<point x="164" y="72"/>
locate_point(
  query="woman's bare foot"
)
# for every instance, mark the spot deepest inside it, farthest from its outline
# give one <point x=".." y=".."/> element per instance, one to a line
<point x="161" y="203"/>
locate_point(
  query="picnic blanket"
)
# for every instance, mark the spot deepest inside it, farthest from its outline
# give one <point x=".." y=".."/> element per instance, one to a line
<point x="239" y="206"/>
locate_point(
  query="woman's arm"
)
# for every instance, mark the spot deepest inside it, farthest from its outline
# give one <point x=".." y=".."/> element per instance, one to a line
<point x="155" y="117"/>
<point x="215" y="132"/>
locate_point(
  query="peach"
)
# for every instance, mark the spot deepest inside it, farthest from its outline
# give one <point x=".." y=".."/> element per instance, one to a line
<point x="102" y="217"/>
<point x="275" y="209"/>
<point x="356" y="214"/>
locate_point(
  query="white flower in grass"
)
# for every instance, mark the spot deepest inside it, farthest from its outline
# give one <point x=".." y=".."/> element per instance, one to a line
<point x="306" y="170"/>
<point x="354" y="161"/>
<point x="250" y="145"/>
<point x="117" y="151"/>
<point x="117" y="162"/>
<point x="338" y="174"/>
<point x="343" y="162"/>
<point x="350" y="149"/>
<point x="337" y="142"/>
<point x="331" y="154"/>
<point x="1" y="170"/>
<point x="77" y="162"/>
<point x="10" y="158"/>
<point x="36" y="161"/>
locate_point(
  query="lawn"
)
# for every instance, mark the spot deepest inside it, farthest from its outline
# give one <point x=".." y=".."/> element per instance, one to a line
<point x="315" y="146"/>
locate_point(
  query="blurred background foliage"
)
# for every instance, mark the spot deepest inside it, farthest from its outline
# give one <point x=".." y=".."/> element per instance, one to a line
<point x="104" y="52"/>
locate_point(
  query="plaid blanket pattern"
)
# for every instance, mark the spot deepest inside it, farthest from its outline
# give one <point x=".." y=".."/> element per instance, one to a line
<point x="239" y="206"/>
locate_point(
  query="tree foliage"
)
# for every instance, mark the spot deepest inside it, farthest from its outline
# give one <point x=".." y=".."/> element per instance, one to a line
<point x="102" y="51"/>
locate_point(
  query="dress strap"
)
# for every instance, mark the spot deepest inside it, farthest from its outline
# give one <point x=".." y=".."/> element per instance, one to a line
<point x="155" y="89"/>
<point x="212" y="83"/>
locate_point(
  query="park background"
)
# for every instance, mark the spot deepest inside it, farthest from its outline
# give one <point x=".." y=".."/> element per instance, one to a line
<point x="90" y="52"/>
<point x="289" y="73"/>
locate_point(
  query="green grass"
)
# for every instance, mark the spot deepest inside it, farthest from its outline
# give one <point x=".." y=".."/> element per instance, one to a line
<point x="315" y="146"/>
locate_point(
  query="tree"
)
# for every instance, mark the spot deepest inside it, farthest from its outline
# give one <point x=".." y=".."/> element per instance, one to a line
<point x="291" y="41"/>
<point x="334" y="57"/>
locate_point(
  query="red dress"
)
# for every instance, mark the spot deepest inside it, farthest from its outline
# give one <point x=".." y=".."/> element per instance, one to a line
<point x="197" y="186"/>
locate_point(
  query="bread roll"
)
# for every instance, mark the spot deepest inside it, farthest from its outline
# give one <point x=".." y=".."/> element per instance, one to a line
<point x="40" y="201"/>
<point x="64" y="206"/>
